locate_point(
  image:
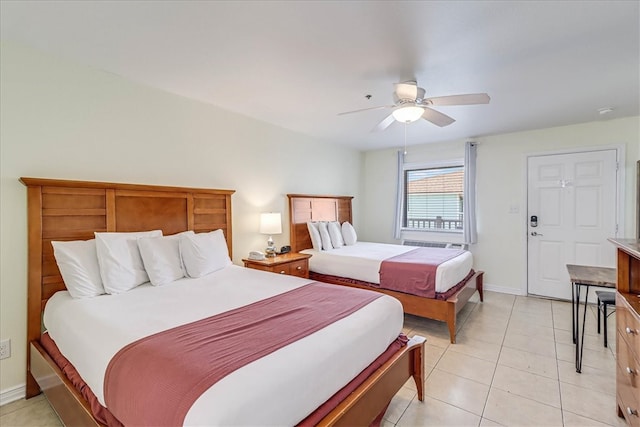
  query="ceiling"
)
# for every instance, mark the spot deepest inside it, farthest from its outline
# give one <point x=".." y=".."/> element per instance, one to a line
<point x="297" y="64"/>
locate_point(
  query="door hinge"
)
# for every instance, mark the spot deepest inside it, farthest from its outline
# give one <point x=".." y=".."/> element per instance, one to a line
<point x="616" y="229"/>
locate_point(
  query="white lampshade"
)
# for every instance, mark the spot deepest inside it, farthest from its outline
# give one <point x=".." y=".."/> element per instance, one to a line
<point x="270" y="223"/>
<point x="407" y="114"/>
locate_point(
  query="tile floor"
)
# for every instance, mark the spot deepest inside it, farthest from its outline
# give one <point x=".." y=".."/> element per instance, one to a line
<point x="513" y="365"/>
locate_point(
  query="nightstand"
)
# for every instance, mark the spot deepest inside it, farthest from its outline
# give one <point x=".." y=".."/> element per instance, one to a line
<point x="294" y="264"/>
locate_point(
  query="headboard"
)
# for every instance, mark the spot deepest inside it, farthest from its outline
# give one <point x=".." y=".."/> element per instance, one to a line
<point x="73" y="210"/>
<point x="304" y="208"/>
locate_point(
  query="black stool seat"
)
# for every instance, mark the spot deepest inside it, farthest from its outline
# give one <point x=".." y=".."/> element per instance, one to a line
<point x="605" y="298"/>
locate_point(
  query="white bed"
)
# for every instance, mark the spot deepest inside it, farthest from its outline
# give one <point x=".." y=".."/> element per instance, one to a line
<point x="100" y="325"/>
<point x="345" y="266"/>
<point x="293" y="381"/>
<point x="362" y="260"/>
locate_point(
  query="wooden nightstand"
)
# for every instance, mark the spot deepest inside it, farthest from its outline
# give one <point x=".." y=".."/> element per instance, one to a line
<point x="294" y="264"/>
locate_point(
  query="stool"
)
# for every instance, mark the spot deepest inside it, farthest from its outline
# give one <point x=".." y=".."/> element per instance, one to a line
<point x="605" y="298"/>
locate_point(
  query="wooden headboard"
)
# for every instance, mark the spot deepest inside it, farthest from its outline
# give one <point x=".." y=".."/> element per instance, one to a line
<point x="304" y="208"/>
<point x="74" y="210"/>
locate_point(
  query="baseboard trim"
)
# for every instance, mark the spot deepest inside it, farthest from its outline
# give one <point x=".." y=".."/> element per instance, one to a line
<point x="503" y="289"/>
<point x="12" y="394"/>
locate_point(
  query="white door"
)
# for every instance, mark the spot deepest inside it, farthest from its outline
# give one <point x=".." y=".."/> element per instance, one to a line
<point x="573" y="197"/>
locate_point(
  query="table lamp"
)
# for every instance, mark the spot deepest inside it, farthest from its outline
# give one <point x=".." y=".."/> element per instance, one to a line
<point x="270" y="223"/>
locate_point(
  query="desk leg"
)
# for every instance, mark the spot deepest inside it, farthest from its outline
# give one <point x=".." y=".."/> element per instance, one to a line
<point x="580" y="341"/>
<point x="573" y="311"/>
<point x="576" y="324"/>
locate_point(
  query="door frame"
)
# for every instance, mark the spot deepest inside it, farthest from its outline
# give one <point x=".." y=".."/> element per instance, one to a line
<point x="620" y="201"/>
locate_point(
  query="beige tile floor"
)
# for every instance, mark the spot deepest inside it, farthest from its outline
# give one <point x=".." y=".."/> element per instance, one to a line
<point x="512" y="365"/>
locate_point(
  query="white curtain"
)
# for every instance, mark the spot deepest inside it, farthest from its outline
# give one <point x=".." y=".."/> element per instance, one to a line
<point x="399" y="196"/>
<point x="469" y="201"/>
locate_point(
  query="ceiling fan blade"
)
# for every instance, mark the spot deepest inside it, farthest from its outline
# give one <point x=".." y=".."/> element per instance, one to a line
<point x="436" y="117"/>
<point x="384" y="124"/>
<point x="366" y="109"/>
<point x="467" y="99"/>
<point x="407" y="90"/>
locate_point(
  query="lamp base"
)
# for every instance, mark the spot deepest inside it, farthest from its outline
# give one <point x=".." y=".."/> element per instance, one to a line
<point x="271" y="249"/>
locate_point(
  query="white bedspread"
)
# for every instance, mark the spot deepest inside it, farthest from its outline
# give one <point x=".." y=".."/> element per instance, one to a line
<point x="362" y="262"/>
<point x="279" y="389"/>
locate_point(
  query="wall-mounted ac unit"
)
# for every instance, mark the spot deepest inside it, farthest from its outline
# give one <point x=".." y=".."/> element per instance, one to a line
<point x="424" y="244"/>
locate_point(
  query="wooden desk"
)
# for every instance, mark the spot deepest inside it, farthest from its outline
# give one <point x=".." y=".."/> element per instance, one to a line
<point x="582" y="275"/>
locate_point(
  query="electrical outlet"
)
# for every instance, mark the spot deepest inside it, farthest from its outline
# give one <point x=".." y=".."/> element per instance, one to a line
<point x="5" y="349"/>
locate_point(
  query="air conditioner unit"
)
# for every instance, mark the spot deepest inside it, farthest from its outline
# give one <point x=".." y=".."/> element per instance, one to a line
<point x="424" y="244"/>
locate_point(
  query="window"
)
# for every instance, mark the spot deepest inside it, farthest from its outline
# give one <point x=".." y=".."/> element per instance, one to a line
<point x="433" y="198"/>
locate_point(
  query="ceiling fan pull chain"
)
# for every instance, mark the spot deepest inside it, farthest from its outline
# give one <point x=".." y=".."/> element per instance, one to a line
<point x="405" y="138"/>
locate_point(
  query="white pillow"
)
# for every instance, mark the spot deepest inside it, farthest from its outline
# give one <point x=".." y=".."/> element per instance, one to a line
<point x="316" y="241"/>
<point x="336" y="234"/>
<point x="324" y="236"/>
<point x="78" y="264"/>
<point x="204" y="253"/>
<point x="121" y="266"/>
<point x="349" y="234"/>
<point x="161" y="258"/>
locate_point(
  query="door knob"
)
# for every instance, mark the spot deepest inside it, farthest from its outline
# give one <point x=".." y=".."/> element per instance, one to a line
<point x="534" y="233"/>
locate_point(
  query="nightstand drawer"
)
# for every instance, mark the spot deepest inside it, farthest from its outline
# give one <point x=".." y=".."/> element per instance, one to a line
<point x="281" y="269"/>
<point x="299" y="268"/>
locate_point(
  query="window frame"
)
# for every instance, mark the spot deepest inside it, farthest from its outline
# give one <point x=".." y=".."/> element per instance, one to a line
<point x="458" y="162"/>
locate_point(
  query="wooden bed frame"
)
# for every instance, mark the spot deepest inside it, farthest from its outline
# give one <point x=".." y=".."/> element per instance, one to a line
<point x="305" y="207"/>
<point x="74" y="210"/>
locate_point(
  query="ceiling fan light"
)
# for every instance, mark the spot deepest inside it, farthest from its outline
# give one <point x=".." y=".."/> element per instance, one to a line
<point x="407" y="114"/>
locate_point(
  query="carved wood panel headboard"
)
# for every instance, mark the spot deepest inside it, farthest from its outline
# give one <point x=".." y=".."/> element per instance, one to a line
<point x="74" y="210"/>
<point x="304" y="208"/>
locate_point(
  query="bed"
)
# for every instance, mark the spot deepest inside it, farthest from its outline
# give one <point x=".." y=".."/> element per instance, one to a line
<point x="360" y="266"/>
<point x="61" y="210"/>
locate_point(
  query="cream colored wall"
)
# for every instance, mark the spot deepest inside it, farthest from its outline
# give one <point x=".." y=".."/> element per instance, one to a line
<point x="61" y="120"/>
<point x="501" y="184"/>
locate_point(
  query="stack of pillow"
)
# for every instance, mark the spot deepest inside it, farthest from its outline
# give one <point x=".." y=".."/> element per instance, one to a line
<point x="327" y="235"/>
<point x="114" y="263"/>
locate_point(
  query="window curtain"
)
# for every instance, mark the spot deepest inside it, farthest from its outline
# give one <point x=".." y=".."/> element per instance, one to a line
<point x="469" y="202"/>
<point x="397" y="233"/>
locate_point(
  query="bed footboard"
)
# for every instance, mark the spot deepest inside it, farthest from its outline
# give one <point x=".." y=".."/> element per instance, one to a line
<point x="362" y="407"/>
<point x="68" y="403"/>
<point x="456" y="302"/>
<point x="369" y="400"/>
<point x="429" y="308"/>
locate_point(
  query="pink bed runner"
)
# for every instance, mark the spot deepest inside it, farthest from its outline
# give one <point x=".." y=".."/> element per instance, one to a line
<point x="414" y="272"/>
<point x="189" y="359"/>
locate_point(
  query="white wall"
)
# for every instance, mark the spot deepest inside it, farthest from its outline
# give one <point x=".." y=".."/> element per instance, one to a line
<point x="501" y="184"/>
<point x="61" y="120"/>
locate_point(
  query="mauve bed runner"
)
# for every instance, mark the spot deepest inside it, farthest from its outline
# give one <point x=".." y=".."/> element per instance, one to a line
<point x="189" y="359"/>
<point x="414" y="272"/>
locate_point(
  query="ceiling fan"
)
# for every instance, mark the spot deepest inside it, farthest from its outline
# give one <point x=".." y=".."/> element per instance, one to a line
<point x="410" y="105"/>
